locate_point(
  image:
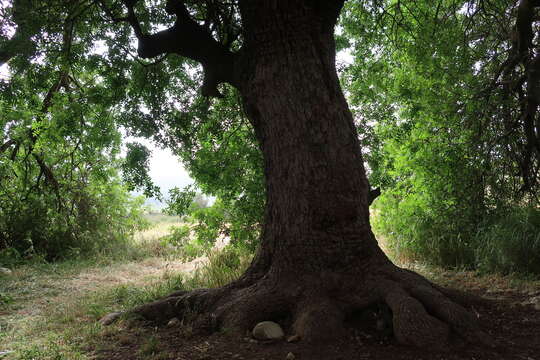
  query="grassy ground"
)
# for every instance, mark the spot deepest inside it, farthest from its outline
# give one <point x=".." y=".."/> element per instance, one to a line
<point x="50" y="311"/>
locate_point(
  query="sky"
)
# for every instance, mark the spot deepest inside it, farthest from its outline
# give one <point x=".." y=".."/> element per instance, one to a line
<point x="166" y="170"/>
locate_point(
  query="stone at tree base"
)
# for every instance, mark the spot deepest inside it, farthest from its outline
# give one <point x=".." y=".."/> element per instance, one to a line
<point x="173" y="322"/>
<point x="536" y="302"/>
<point x="109" y="318"/>
<point x="268" y="330"/>
<point x="293" y="338"/>
<point x="290" y="356"/>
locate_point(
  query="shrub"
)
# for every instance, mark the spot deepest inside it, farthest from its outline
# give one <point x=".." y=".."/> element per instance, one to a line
<point x="178" y="237"/>
<point x="93" y="219"/>
<point x="506" y="240"/>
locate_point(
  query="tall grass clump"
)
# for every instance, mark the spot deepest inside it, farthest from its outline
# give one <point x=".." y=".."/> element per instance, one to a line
<point x="223" y="266"/>
<point x="510" y="242"/>
<point x="504" y="240"/>
<point x="419" y="231"/>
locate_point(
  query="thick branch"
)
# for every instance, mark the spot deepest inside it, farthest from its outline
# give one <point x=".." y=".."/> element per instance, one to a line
<point x="523" y="66"/>
<point x="6" y="145"/>
<point x="189" y="39"/>
<point x="49" y="175"/>
<point x="524" y="29"/>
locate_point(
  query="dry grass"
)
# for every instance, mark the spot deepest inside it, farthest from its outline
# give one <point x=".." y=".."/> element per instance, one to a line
<point x="161" y="227"/>
<point x="50" y="311"/>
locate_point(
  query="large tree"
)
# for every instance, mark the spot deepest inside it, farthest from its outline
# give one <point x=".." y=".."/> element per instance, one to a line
<point x="318" y="260"/>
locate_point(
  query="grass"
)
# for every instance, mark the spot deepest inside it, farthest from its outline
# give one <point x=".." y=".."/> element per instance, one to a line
<point x="504" y="240"/>
<point x="223" y="266"/>
<point x="51" y="311"/>
<point x="64" y="325"/>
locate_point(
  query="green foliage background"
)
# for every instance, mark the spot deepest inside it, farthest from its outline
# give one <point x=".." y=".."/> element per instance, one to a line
<point x="434" y="128"/>
<point x="61" y="194"/>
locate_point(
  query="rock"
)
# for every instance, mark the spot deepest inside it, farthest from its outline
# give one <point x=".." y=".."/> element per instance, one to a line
<point x="534" y="302"/>
<point x="267" y="330"/>
<point x="293" y="338"/>
<point x="290" y="356"/>
<point x="173" y="322"/>
<point x="5" y="271"/>
<point x="109" y="318"/>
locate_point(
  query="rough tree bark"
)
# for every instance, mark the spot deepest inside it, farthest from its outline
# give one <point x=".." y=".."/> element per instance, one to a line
<point x="318" y="261"/>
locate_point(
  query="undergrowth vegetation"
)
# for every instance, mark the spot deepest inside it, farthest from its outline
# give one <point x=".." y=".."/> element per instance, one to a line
<point x="35" y="232"/>
<point x="38" y="325"/>
<point x="504" y="242"/>
<point x="447" y="145"/>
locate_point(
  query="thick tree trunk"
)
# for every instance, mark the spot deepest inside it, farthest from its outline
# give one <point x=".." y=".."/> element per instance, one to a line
<point x="319" y="262"/>
<point x="317" y="215"/>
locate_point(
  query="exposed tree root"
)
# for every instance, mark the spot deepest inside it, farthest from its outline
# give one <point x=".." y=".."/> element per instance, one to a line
<point x="423" y="314"/>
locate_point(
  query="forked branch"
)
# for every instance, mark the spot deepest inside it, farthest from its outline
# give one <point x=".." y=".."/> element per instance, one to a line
<point x="189" y="39"/>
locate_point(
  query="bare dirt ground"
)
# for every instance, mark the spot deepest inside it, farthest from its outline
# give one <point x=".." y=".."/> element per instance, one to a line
<point x="514" y="327"/>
